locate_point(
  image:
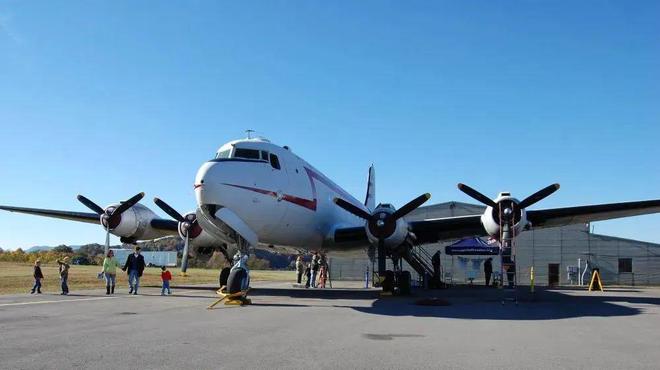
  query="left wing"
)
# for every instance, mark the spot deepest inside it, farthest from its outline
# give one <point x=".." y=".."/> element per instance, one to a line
<point x="439" y="229"/>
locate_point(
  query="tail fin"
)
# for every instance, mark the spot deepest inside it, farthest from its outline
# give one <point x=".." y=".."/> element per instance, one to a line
<point x="370" y="199"/>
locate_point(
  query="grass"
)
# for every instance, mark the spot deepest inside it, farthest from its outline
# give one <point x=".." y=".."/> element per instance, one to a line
<point x="17" y="277"/>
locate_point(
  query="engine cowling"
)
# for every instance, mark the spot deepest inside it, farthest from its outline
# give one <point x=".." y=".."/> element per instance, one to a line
<point x="506" y="212"/>
<point x="392" y="233"/>
<point x="132" y="224"/>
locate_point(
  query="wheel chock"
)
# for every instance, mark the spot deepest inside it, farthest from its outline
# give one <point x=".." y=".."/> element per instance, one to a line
<point x="234" y="299"/>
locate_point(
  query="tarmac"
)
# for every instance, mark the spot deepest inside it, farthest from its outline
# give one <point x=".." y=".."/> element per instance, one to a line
<point x="287" y="327"/>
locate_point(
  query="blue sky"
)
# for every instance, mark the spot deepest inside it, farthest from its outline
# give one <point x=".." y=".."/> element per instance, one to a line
<point x="108" y="99"/>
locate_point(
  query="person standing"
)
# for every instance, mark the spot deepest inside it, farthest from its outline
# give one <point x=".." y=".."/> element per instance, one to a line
<point x="315" y="268"/>
<point x="323" y="275"/>
<point x="134" y="266"/>
<point x="488" y="270"/>
<point x="110" y="265"/>
<point x="308" y="275"/>
<point x="37" y="277"/>
<point x="300" y="268"/>
<point x="64" y="274"/>
<point x="165" y="276"/>
<point x="435" y="261"/>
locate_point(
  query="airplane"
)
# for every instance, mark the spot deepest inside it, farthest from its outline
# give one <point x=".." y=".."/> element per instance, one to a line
<point x="256" y="194"/>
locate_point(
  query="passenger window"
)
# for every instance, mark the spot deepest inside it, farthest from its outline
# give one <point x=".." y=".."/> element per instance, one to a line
<point x="246" y="153"/>
<point x="274" y="161"/>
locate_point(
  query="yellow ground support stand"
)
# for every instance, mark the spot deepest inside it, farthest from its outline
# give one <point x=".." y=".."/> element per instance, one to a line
<point x="234" y="299"/>
<point x="595" y="278"/>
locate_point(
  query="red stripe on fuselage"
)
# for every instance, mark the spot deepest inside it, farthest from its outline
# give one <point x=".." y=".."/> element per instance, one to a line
<point x="310" y="204"/>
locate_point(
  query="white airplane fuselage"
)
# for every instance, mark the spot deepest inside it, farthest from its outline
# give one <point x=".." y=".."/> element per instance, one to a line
<point x="287" y="206"/>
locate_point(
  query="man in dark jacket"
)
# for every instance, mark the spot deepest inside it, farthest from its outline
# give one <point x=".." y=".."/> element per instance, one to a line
<point x="134" y="266"/>
<point x="488" y="270"/>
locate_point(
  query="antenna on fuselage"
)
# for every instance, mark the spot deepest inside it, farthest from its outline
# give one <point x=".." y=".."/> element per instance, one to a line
<point x="249" y="133"/>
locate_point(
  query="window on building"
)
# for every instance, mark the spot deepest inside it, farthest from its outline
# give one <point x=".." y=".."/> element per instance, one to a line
<point x="246" y="153"/>
<point x="625" y="265"/>
<point x="274" y="161"/>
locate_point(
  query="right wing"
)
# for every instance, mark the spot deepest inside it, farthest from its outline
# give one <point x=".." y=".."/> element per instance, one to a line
<point x="91" y="218"/>
<point x="169" y="227"/>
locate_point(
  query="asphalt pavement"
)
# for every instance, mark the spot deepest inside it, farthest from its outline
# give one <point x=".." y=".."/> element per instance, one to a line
<point x="289" y="327"/>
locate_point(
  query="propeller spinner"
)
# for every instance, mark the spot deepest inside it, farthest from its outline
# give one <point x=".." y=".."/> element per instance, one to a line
<point x="111" y="216"/>
<point x="188" y="229"/>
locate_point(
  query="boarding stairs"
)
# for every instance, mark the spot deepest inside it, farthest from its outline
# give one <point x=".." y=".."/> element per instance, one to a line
<point x="420" y="260"/>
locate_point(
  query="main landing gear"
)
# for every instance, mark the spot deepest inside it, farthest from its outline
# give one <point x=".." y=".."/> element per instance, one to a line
<point x="393" y="282"/>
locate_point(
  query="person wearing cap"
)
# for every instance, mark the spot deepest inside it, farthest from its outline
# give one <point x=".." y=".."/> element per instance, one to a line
<point x="64" y="274"/>
<point x="134" y="266"/>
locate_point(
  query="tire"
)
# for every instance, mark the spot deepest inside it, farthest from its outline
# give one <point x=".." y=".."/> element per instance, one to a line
<point x="235" y="280"/>
<point x="224" y="276"/>
<point x="388" y="281"/>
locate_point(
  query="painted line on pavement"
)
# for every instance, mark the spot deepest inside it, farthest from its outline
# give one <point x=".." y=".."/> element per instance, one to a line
<point x="58" y="301"/>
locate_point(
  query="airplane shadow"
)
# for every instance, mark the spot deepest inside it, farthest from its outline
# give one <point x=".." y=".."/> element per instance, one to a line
<point x="487" y="304"/>
<point x="476" y="303"/>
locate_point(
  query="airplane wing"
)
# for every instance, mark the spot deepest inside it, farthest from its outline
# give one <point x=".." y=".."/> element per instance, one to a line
<point x="91" y="218"/>
<point x="168" y="226"/>
<point x="446" y="228"/>
<point x="576" y="215"/>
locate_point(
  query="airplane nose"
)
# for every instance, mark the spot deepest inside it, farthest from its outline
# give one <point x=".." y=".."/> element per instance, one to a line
<point x="207" y="182"/>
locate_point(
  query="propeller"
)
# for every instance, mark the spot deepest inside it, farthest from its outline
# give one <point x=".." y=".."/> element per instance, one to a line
<point x="382" y="224"/>
<point x="507" y="207"/>
<point x="188" y="228"/>
<point x="111" y="216"/>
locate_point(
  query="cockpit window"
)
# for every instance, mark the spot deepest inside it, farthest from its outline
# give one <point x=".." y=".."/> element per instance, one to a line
<point x="274" y="161"/>
<point x="223" y="154"/>
<point x="246" y="153"/>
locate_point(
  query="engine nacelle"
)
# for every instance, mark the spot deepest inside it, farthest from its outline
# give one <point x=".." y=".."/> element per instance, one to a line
<point x="396" y="233"/>
<point x="507" y="212"/>
<point x="134" y="223"/>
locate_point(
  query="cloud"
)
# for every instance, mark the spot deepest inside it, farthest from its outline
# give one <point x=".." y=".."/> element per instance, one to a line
<point x="7" y="29"/>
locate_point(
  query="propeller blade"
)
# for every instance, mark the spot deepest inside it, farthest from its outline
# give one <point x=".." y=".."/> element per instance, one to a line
<point x="184" y="257"/>
<point x="125" y="205"/>
<point x="539" y="195"/>
<point x="382" y="261"/>
<point x="169" y="210"/>
<point x="476" y="195"/>
<point x="91" y="205"/>
<point x="107" y="240"/>
<point x="411" y="206"/>
<point x="350" y="208"/>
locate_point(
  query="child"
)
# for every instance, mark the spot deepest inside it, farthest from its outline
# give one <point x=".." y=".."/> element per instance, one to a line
<point x="166" y="277"/>
<point x="64" y="274"/>
<point x="37" y="277"/>
<point x="308" y="275"/>
<point x="323" y="275"/>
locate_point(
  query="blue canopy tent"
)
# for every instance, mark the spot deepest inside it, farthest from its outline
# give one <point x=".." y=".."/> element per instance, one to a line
<point x="472" y="247"/>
